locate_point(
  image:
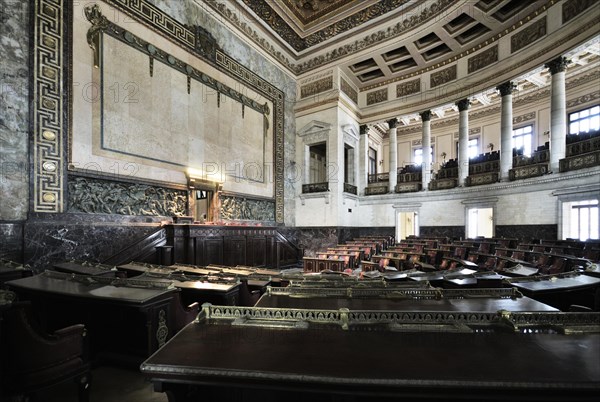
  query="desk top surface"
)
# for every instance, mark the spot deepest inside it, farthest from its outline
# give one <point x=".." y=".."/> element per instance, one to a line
<point x="480" y="304"/>
<point x="93" y="291"/>
<point x="553" y="284"/>
<point x="329" y="356"/>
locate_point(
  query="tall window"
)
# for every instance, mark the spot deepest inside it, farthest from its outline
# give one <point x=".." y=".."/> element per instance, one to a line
<point x="584" y="120"/>
<point x="581" y="220"/>
<point x="418" y="156"/>
<point x="523" y="138"/>
<point x="473" y="147"/>
<point x="372" y="161"/>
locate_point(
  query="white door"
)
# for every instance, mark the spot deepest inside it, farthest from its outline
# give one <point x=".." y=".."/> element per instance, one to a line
<point x="480" y="222"/>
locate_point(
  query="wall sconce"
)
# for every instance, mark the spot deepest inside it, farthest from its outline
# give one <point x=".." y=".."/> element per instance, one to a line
<point x="491" y="146"/>
<point x="381" y="162"/>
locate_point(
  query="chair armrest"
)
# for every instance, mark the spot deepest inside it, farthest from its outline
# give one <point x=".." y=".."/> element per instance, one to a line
<point x="70" y="331"/>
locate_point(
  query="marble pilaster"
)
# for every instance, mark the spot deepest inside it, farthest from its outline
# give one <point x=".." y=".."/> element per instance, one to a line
<point x="506" y="129"/>
<point x="14" y="104"/>
<point x="463" y="140"/>
<point x="558" y="112"/>
<point x="393" y="137"/>
<point x="426" y="144"/>
<point x="363" y="159"/>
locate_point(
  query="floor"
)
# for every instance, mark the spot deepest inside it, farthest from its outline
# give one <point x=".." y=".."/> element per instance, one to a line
<point x="109" y="384"/>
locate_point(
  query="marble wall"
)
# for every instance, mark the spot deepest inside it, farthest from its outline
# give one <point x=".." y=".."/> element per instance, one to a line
<point x="51" y="238"/>
<point x="14" y="125"/>
<point x="189" y="12"/>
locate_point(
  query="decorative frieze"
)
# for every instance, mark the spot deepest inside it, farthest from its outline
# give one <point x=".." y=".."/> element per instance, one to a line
<point x="349" y="90"/>
<point x="48" y="107"/>
<point x="322" y="85"/>
<point x="242" y="208"/>
<point x="483" y="59"/>
<point x="95" y="196"/>
<point x="442" y="77"/>
<point x="377" y="96"/>
<point x="524" y="117"/>
<point x="584" y="99"/>
<point x="528" y="35"/>
<point x="408" y="88"/>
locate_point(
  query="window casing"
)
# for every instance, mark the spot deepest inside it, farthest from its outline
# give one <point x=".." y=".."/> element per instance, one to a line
<point x="418" y="156"/>
<point x="523" y="138"/>
<point x="372" y="161"/>
<point x="585" y="120"/>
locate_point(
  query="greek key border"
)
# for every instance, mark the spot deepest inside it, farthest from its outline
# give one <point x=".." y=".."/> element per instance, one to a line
<point x="48" y="128"/>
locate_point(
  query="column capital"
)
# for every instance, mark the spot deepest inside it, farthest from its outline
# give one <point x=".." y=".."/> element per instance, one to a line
<point x="506" y="88"/>
<point x="463" y="105"/>
<point x="364" y="129"/>
<point x="425" y="115"/>
<point x="557" y="65"/>
<point x="392" y="123"/>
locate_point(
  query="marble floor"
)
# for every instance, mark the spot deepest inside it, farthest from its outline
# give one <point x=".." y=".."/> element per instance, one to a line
<point x="109" y="384"/>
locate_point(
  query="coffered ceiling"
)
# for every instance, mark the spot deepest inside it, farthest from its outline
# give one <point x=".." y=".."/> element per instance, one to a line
<point x="377" y="41"/>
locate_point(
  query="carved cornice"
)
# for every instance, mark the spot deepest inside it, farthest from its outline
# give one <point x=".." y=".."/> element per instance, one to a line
<point x="510" y="67"/>
<point x="264" y="11"/>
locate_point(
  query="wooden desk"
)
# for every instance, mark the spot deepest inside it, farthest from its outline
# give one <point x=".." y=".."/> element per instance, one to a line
<point x="124" y="319"/>
<point x="10" y="270"/>
<point x="234" y="354"/>
<point x="562" y="290"/>
<point x="82" y="268"/>
<point x="401" y="299"/>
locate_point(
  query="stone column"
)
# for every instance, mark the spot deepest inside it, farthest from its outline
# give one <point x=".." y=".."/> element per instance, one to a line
<point x="558" y="112"/>
<point x="463" y="140"/>
<point x="363" y="160"/>
<point x="392" y="132"/>
<point x="506" y="129"/>
<point x="426" y="145"/>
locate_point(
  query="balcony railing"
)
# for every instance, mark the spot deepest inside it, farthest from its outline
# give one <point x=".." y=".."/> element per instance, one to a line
<point x="379" y="177"/>
<point x="315" y="188"/>
<point x="349" y="188"/>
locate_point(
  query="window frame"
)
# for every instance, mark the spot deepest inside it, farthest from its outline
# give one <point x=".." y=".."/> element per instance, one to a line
<point x="578" y="120"/>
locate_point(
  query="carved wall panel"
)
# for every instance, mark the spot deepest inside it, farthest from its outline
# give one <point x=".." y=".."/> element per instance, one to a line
<point x="349" y="90"/>
<point x="377" y="96"/>
<point x="240" y="208"/>
<point x="408" y="88"/>
<point x="105" y="197"/>
<point x="443" y="76"/>
<point x="483" y="59"/>
<point x="322" y="85"/>
<point x="528" y="35"/>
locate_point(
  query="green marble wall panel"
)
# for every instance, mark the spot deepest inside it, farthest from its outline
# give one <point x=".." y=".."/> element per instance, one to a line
<point x="14" y="107"/>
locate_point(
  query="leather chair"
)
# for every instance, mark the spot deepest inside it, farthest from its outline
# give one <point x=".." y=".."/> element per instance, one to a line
<point x="33" y="360"/>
